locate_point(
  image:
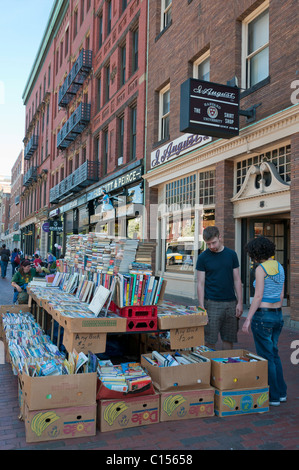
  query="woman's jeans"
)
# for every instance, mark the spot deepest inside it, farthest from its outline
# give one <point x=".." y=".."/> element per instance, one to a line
<point x="266" y="327"/>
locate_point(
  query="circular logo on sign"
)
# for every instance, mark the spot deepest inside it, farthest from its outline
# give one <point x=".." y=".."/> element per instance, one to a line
<point x="212" y="112"/>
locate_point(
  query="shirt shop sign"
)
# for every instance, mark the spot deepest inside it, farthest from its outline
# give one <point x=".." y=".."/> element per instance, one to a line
<point x="177" y="148"/>
<point x="209" y="108"/>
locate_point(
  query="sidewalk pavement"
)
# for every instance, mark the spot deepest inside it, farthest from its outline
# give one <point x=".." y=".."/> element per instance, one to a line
<point x="274" y="430"/>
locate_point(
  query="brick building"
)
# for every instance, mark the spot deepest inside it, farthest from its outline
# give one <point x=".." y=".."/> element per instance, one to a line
<point x="85" y="115"/>
<point x="246" y="185"/>
<point x="14" y="239"/>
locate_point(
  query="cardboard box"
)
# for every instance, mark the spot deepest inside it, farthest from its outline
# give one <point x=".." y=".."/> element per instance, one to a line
<point x="237" y="375"/>
<point x="187" y="403"/>
<point x="84" y="342"/>
<point x="181" y="321"/>
<point x="11" y="309"/>
<point x="14" y="308"/>
<point x="92" y="325"/>
<point x="58" y="391"/>
<point x="165" y="378"/>
<point x="189" y="337"/>
<point x="104" y="393"/>
<point x="128" y="412"/>
<point x="60" y="423"/>
<point x="240" y="402"/>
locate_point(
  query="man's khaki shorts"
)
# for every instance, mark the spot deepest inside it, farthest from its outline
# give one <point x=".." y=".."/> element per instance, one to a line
<point x="222" y="319"/>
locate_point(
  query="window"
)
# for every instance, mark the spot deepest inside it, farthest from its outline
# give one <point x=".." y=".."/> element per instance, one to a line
<point x="96" y="150"/>
<point x="84" y="154"/>
<point x="181" y="191"/>
<point x="45" y="192"/>
<point x="108" y="17"/>
<point x="164" y="112"/>
<point x="201" y="67"/>
<point x="49" y="80"/>
<point x="61" y="53"/>
<point x="123" y="65"/>
<point x="133" y="132"/>
<point x="57" y="61"/>
<point x="105" y="153"/>
<point x="99" y="91"/>
<point x="135" y="51"/>
<point x="121" y="131"/>
<point x="100" y="22"/>
<point x="75" y="23"/>
<point x="207" y="188"/>
<point x="280" y="157"/>
<point x="124" y="4"/>
<point x="107" y="84"/>
<point x="166" y="6"/>
<point x="66" y="44"/>
<point x="82" y="12"/>
<point x="256" y="49"/>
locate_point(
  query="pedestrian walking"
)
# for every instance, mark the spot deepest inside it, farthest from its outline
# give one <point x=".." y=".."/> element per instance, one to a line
<point x="4" y="254"/>
<point x="219" y="289"/>
<point x="265" y="313"/>
<point x="15" y="260"/>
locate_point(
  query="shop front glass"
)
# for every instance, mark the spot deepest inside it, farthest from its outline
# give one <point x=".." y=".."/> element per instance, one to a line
<point x="189" y="208"/>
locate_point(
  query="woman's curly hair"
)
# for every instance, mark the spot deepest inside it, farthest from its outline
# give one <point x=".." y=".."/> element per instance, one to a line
<point x="260" y="249"/>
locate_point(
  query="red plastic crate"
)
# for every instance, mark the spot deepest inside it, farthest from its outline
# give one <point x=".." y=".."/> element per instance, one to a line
<point x="135" y="311"/>
<point x="142" y="324"/>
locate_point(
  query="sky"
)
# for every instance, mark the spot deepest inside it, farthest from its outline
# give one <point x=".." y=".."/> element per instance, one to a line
<point x="22" y="26"/>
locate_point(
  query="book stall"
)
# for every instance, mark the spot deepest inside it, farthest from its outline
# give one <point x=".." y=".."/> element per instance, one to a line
<point x="57" y="346"/>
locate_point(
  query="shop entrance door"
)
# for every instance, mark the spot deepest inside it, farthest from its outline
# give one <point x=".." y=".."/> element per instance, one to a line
<point x="278" y="232"/>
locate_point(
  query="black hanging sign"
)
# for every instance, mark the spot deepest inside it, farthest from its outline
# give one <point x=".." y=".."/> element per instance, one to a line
<point x="209" y="109"/>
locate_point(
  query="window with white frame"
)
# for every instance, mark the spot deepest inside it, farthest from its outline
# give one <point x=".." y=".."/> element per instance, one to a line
<point x="280" y="157"/>
<point x="164" y="112"/>
<point x="255" y="67"/>
<point x="201" y="67"/>
<point x="166" y="6"/>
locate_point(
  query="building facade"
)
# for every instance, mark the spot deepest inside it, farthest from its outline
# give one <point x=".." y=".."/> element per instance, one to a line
<point x="14" y="237"/>
<point x="247" y="184"/>
<point x="4" y="208"/>
<point x="85" y="124"/>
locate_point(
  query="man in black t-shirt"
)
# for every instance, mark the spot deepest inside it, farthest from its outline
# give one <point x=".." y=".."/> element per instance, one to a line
<point x="219" y="289"/>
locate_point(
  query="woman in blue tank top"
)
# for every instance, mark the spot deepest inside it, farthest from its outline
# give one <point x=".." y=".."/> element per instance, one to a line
<point x="265" y="314"/>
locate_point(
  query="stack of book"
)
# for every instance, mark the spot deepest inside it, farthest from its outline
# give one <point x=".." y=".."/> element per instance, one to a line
<point x="128" y="255"/>
<point x="174" y="359"/>
<point x="124" y="377"/>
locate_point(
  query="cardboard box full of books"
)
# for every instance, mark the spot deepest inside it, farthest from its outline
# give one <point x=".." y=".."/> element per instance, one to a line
<point x="11" y="309"/>
<point x="109" y="324"/>
<point x="118" y="381"/>
<point x="128" y="412"/>
<point x="241" y="401"/>
<point x="237" y="368"/>
<point x="187" y="403"/>
<point x="60" y="423"/>
<point x="186" y="373"/>
<point x="58" y="391"/>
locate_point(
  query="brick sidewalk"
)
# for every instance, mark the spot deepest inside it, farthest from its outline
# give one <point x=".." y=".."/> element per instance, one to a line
<point x="274" y="430"/>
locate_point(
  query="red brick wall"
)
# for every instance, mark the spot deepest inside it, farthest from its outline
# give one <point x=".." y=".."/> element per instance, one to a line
<point x="224" y="218"/>
<point x="198" y="26"/>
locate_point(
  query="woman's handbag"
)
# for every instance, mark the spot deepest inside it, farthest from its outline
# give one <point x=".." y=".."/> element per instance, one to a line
<point x="23" y="297"/>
